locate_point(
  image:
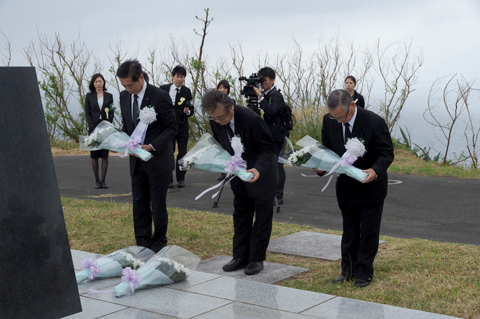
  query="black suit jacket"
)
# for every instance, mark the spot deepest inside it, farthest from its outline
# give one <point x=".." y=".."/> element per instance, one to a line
<point x="272" y="105"/>
<point x="93" y="112"/>
<point x="159" y="134"/>
<point x="378" y="143"/>
<point x="259" y="150"/>
<point x="185" y="92"/>
<point x="361" y="100"/>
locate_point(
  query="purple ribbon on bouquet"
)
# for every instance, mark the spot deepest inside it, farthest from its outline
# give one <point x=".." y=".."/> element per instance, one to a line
<point x="92" y="266"/>
<point x="131" y="145"/>
<point x="235" y="164"/>
<point x="346" y="161"/>
<point x="132" y="277"/>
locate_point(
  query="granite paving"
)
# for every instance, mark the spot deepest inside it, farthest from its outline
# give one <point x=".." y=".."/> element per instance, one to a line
<point x="309" y="244"/>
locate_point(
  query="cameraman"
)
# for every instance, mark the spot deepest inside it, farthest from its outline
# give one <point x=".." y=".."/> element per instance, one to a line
<point x="271" y="102"/>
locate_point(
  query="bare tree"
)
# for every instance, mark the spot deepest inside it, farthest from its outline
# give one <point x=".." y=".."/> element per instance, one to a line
<point x="198" y="63"/>
<point x="472" y="128"/>
<point x="452" y="106"/>
<point x="6" y="46"/>
<point x="63" y="73"/>
<point x="399" y="74"/>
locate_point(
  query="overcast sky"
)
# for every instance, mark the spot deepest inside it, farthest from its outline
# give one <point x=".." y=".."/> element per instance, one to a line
<point x="447" y="31"/>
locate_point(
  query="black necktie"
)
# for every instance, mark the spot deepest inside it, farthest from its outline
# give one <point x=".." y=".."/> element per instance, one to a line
<point x="347" y="132"/>
<point x="229" y="131"/>
<point x="135" y="110"/>
<point x="176" y="96"/>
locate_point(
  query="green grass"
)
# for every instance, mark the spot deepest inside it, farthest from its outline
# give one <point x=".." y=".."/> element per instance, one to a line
<point x="415" y="273"/>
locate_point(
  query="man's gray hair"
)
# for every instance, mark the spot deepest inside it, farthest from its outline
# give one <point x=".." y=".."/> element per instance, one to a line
<point x="339" y="97"/>
<point x="213" y="99"/>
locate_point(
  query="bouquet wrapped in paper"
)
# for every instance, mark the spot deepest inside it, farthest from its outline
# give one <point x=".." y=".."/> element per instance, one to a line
<point x="171" y="264"/>
<point x="315" y="155"/>
<point x="106" y="136"/>
<point x="210" y="156"/>
<point x="113" y="264"/>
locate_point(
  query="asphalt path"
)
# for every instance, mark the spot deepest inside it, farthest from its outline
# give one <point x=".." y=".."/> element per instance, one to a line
<point x="435" y="208"/>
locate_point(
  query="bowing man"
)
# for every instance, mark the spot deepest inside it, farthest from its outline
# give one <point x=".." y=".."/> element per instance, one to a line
<point x="256" y="197"/>
<point x="361" y="203"/>
<point x="149" y="179"/>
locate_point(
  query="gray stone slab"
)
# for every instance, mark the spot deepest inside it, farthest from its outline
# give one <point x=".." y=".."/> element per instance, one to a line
<point x="40" y="281"/>
<point x="166" y="301"/>
<point x="270" y="274"/>
<point x="197" y="277"/>
<point x="356" y="309"/>
<point x="309" y="244"/>
<point x="78" y="256"/>
<point x="239" y="310"/>
<point x="260" y="294"/>
<point x="132" y="313"/>
<point x="94" y="308"/>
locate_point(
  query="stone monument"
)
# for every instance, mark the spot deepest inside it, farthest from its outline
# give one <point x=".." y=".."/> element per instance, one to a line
<point x="37" y="277"/>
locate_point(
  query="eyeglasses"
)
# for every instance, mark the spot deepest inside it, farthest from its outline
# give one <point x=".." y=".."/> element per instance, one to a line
<point x="340" y="118"/>
<point x="220" y="118"/>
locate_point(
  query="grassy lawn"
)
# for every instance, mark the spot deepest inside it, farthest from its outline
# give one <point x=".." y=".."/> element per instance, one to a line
<point x="415" y="273"/>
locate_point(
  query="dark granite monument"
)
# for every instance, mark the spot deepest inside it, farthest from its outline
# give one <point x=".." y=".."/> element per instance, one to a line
<point x="37" y="277"/>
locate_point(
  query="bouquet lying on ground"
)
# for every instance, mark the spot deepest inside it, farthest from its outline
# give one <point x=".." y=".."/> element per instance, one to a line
<point x="113" y="264"/>
<point x="315" y="155"/>
<point x="171" y="264"/>
<point x="106" y="136"/>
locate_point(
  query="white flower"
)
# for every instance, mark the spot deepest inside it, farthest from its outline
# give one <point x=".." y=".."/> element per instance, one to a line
<point x="148" y="115"/>
<point x="237" y="146"/>
<point x="355" y="147"/>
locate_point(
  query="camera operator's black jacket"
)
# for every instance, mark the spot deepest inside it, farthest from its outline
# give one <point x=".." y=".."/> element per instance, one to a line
<point x="272" y="105"/>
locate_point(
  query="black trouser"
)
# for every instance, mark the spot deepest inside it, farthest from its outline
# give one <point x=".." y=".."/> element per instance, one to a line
<point x="150" y="191"/>
<point x="182" y="140"/>
<point x="251" y="242"/>
<point x="281" y="181"/>
<point x="361" y="232"/>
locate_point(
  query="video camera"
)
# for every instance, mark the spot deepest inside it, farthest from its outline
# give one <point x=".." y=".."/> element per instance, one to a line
<point x="252" y="100"/>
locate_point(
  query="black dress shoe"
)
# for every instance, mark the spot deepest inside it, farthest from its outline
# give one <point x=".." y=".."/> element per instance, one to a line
<point x="181" y="184"/>
<point x="235" y="264"/>
<point x="254" y="267"/>
<point x="98" y="185"/>
<point x="104" y="185"/>
<point x="170" y="185"/>
<point x="360" y="283"/>
<point x="342" y="279"/>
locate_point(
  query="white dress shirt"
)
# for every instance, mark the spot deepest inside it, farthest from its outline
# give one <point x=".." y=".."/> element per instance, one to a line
<point x="139" y="99"/>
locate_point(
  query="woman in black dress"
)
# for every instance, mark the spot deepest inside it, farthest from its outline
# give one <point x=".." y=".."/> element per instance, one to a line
<point x="350" y="84"/>
<point x="98" y="107"/>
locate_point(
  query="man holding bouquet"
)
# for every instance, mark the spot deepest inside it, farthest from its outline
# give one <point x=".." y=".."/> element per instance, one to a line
<point x="149" y="179"/>
<point x="253" y="198"/>
<point x="361" y="203"/>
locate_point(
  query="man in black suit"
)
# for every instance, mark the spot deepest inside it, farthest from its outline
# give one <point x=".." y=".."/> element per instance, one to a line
<point x="256" y="196"/>
<point x="183" y="107"/>
<point x="149" y="179"/>
<point x="361" y="203"/>
<point x="271" y="102"/>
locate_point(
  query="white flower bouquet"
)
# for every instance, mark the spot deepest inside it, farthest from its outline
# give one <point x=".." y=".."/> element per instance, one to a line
<point x="171" y="264"/>
<point x="208" y="155"/>
<point x="113" y="264"/>
<point x="92" y="141"/>
<point x="107" y="137"/>
<point x="315" y="155"/>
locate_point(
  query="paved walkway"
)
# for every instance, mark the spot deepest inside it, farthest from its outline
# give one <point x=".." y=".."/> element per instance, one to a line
<point x="205" y="295"/>
<point x="435" y="208"/>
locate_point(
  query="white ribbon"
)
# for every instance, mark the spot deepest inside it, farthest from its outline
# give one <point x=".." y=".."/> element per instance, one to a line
<point x="216" y="186"/>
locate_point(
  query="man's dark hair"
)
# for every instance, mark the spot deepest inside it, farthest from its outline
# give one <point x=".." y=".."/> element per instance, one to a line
<point x="180" y="70"/>
<point x="91" y="86"/>
<point x="145" y="76"/>
<point x="339" y="97"/>
<point x="351" y="77"/>
<point x="267" y="71"/>
<point x="225" y="84"/>
<point x="130" y="69"/>
<point x="214" y="99"/>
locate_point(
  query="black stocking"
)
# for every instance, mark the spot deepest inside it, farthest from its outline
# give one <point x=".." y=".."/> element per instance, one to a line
<point x="104" y="168"/>
<point x="95" y="169"/>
